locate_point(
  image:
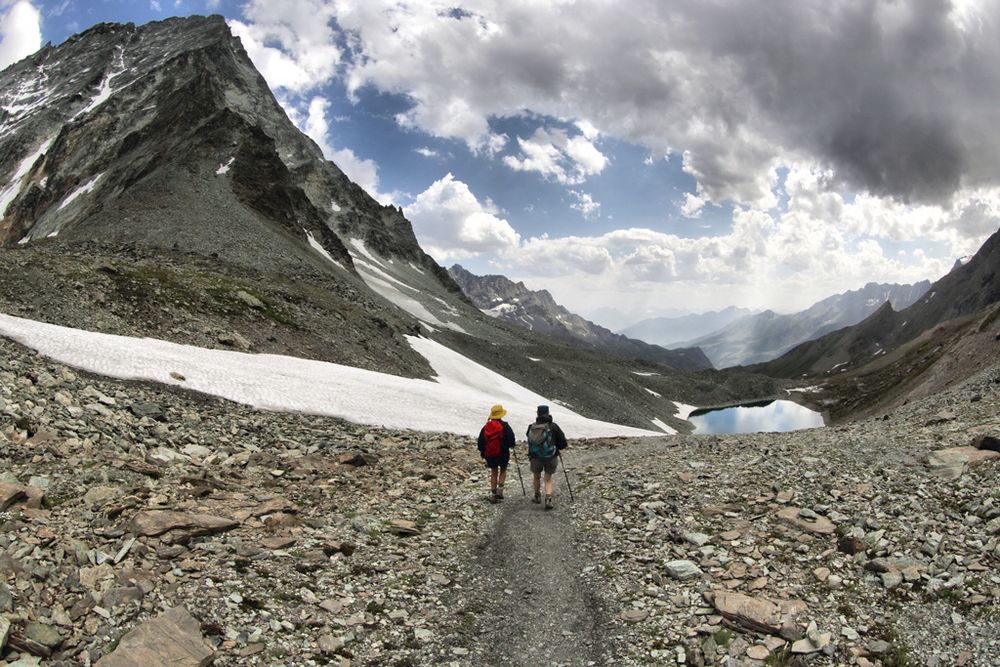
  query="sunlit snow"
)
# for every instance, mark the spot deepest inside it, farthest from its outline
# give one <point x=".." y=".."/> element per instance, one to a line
<point x="650" y="391"/>
<point x="224" y="167"/>
<point x="662" y="426"/>
<point x="335" y="206"/>
<point x="457" y="400"/>
<point x="683" y="410"/>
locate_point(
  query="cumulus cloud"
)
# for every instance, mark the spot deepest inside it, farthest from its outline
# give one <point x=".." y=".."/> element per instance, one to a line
<point x="692" y="205"/>
<point x="556" y="155"/>
<point x="426" y="152"/>
<point x="20" y="31"/>
<point x="894" y="98"/>
<point x="584" y="203"/>
<point x="316" y="125"/>
<point x="292" y="43"/>
<point x="451" y="223"/>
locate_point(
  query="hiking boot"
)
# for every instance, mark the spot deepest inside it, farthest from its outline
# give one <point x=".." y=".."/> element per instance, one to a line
<point x="537" y="498"/>
<point x="493" y="497"/>
<point x="548" y="502"/>
<point x="500" y="493"/>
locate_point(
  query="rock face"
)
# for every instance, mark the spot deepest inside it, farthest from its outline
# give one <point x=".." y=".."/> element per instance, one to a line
<point x="178" y="526"/>
<point x="172" y="638"/>
<point x="512" y="302"/>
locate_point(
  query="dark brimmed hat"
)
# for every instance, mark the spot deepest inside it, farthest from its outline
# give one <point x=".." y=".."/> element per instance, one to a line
<point x="543" y="410"/>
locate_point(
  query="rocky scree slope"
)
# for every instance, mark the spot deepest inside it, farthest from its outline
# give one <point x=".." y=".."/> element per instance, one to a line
<point x="767" y="335"/>
<point x="502" y="298"/>
<point x="289" y="539"/>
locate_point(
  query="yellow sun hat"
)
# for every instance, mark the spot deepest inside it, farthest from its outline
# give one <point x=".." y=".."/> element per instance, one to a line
<point x="497" y="411"/>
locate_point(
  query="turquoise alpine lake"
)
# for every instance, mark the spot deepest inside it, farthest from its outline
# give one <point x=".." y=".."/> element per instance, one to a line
<point x="764" y="416"/>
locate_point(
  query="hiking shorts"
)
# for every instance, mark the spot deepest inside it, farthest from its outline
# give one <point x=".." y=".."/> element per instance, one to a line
<point x="497" y="461"/>
<point x="548" y="465"/>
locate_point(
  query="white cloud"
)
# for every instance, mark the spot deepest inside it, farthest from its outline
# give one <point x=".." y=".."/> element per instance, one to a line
<point x="155" y="6"/>
<point x="692" y="205"/>
<point x="316" y="125"/>
<point x="20" y="31"/>
<point x="363" y="172"/>
<point x="292" y="43"/>
<point x="426" y="152"/>
<point x="213" y="4"/>
<point x="585" y="203"/>
<point x="451" y="223"/>
<point x="555" y="155"/>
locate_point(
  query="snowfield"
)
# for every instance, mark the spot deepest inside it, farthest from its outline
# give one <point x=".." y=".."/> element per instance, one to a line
<point x="457" y="400"/>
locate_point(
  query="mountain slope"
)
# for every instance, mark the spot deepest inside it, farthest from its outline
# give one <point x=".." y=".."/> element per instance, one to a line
<point x="764" y="336"/>
<point x="968" y="289"/>
<point x="500" y="297"/>
<point x="152" y="186"/>
<point x="671" y="330"/>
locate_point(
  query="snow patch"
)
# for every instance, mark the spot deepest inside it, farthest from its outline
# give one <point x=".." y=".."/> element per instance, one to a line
<point x="683" y="410"/>
<point x="663" y="427"/>
<point x="321" y="250"/>
<point x="359" y="245"/>
<point x="13" y="189"/>
<point x="104" y="94"/>
<point x="416" y="268"/>
<point x="82" y="190"/>
<point x="455" y="401"/>
<point x="224" y="167"/>
<point x="650" y="391"/>
<point x="804" y="390"/>
<point x="534" y="359"/>
<point x="644" y="374"/>
<point x="334" y="206"/>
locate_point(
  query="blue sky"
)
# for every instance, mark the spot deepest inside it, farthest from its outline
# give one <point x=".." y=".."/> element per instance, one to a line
<point x="680" y="156"/>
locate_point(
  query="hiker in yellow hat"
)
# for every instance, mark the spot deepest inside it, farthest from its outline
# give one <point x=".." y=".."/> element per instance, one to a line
<point x="496" y="439"/>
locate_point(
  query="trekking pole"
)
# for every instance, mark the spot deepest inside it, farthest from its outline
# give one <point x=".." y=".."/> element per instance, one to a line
<point x="563" y="464"/>
<point x="517" y="464"/>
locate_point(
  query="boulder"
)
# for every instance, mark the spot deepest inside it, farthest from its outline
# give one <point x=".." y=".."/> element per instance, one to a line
<point x="173" y="526"/>
<point x="950" y="463"/>
<point x="11" y="494"/>
<point x="987" y="442"/>
<point x="682" y="569"/>
<point x="758" y="614"/>
<point x="403" y="527"/>
<point x="807" y="520"/>
<point x="4" y="632"/>
<point x="172" y="638"/>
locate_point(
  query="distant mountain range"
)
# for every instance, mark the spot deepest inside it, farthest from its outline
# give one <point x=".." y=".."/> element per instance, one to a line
<point x="674" y="330"/>
<point x="767" y="335"/>
<point x="947" y="336"/>
<point x="537" y="311"/>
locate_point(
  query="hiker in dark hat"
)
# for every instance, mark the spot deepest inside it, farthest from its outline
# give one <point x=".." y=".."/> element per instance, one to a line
<point x="545" y="441"/>
<point x="496" y="439"/>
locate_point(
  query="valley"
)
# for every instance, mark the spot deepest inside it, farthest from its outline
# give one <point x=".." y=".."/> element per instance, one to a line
<point x="239" y="401"/>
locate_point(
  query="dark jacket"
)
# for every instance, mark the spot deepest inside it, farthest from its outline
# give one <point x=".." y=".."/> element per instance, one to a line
<point x="506" y="444"/>
<point x="557" y="433"/>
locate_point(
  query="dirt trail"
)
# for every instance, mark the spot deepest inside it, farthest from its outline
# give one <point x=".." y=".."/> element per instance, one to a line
<point x="533" y="605"/>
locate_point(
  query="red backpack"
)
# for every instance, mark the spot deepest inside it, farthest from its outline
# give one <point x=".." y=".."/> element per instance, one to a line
<point x="493" y="434"/>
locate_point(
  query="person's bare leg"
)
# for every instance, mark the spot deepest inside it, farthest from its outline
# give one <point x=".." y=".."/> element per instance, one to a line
<point x="537" y="484"/>
<point x="548" y="484"/>
<point x="500" y="481"/>
<point x="493" y="482"/>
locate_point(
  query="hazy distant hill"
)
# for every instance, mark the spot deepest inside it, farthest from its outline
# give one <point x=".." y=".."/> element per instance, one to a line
<point x="765" y="336"/>
<point x="672" y="330"/>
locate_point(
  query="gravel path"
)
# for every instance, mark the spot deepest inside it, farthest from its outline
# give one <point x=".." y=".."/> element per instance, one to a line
<point x="536" y="605"/>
